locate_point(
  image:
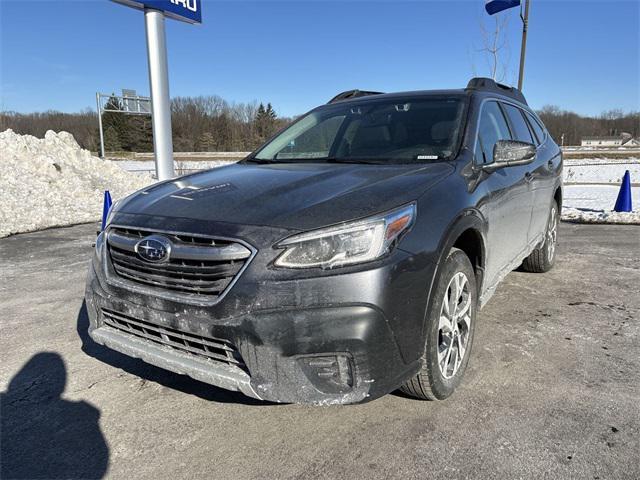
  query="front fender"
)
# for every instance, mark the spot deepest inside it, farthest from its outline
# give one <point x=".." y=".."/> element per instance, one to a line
<point x="468" y="219"/>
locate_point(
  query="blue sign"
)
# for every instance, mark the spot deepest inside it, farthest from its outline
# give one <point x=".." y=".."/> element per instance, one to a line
<point x="189" y="11"/>
<point x="495" y="6"/>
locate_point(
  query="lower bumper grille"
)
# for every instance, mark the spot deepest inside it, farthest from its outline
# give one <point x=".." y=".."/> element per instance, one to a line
<point x="211" y="348"/>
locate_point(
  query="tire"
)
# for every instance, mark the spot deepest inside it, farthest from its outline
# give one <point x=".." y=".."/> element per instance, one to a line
<point x="543" y="258"/>
<point x="438" y="379"/>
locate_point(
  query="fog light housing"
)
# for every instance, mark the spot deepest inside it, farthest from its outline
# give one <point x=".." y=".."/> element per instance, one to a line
<point x="329" y="373"/>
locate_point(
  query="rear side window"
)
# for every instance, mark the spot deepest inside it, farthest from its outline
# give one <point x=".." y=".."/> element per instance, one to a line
<point x="520" y="130"/>
<point x="493" y="127"/>
<point x="535" y="125"/>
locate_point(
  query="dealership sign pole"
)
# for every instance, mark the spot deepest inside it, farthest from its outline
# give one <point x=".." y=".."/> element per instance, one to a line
<point x="154" y="13"/>
<point x="159" y="87"/>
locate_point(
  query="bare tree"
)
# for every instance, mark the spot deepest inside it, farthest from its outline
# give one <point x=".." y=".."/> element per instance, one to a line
<point x="573" y="126"/>
<point x="495" y="46"/>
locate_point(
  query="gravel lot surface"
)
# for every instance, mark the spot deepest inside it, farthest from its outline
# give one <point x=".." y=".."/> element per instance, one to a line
<point x="552" y="390"/>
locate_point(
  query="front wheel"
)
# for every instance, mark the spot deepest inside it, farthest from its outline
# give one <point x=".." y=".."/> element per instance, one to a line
<point x="543" y="258"/>
<point x="450" y="325"/>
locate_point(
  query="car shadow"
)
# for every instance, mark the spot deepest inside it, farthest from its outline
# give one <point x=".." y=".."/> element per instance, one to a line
<point x="137" y="367"/>
<point x="400" y="394"/>
<point x="44" y="436"/>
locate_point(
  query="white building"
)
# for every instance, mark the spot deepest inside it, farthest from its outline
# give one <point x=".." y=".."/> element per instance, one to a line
<point x="624" y="140"/>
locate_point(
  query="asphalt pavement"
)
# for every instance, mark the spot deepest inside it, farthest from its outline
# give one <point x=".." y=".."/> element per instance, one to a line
<point x="552" y="389"/>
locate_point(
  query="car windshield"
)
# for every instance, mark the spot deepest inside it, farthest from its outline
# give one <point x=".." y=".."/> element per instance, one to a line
<point x="376" y="131"/>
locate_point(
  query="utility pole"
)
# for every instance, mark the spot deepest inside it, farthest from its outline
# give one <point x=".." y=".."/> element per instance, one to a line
<point x="159" y="86"/>
<point x="525" y="27"/>
<point x="99" y="108"/>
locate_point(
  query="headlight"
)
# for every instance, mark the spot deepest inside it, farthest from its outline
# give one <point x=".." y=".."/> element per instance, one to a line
<point x="346" y="244"/>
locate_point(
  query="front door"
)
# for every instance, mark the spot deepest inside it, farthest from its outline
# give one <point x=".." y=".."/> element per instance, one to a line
<point x="508" y="202"/>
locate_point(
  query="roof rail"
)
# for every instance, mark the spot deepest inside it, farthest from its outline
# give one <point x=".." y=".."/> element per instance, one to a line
<point x="489" y="85"/>
<point x="352" y="94"/>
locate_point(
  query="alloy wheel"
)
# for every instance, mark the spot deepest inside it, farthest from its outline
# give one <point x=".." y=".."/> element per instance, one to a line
<point x="454" y="325"/>
<point x="552" y="234"/>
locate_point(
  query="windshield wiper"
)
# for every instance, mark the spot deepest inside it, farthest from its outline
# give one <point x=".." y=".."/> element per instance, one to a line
<point x="260" y="161"/>
<point x="284" y="160"/>
<point x="371" y="161"/>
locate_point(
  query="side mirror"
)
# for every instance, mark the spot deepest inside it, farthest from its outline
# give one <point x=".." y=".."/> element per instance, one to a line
<point x="508" y="153"/>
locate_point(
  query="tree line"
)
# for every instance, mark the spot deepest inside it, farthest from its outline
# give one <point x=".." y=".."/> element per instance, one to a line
<point x="573" y="126"/>
<point x="210" y="123"/>
<point x="199" y="124"/>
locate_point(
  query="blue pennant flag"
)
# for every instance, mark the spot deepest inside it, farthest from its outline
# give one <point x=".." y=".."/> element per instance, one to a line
<point x="106" y="206"/>
<point x="495" y="6"/>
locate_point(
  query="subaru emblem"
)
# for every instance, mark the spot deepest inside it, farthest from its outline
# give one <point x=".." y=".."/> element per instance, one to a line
<point x="154" y="249"/>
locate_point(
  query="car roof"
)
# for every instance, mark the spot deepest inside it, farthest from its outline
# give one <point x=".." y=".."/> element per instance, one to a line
<point x="484" y="87"/>
<point x="407" y="94"/>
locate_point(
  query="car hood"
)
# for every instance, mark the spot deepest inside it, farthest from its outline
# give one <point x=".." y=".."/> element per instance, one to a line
<point x="288" y="195"/>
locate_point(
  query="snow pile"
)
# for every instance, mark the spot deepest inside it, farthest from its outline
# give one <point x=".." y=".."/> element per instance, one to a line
<point x="52" y="181"/>
<point x="577" y="215"/>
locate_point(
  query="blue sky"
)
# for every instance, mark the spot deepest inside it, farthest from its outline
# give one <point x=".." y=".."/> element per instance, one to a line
<point x="582" y="55"/>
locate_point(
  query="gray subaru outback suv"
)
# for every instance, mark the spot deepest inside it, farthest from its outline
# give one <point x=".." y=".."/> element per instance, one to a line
<point x="345" y="258"/>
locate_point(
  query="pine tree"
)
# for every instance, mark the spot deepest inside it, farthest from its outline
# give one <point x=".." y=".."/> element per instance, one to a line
<point x="112" y="140"/>
<point x="138" y="135"/>
<point x="265" y="121"/>
<point x="260" y="121"/>
<point x="206" y="142"/>
<point x="115" y="125"/>
<point x="261" y="115"/>
<point x="271" y="113"/>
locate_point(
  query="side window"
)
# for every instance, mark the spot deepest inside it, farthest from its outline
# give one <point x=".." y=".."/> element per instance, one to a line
<point x="493" y="127"/>
<point x="520" y="130"/>
<point x="535" y="125"/>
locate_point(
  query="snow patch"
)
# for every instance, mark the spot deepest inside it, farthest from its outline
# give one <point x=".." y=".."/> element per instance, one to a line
<point x="594" y="204"/>
<point x="53" y="182"/>
<point x="576" y="215"/>
<point x="600" y="170"/>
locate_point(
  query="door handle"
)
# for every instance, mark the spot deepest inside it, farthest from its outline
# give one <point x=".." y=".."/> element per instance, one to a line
<point x="528" y="177"/>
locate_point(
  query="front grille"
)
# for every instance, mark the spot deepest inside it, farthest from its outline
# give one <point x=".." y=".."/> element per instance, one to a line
<point x="212" y="348"/>
<point x="198" y="266"/>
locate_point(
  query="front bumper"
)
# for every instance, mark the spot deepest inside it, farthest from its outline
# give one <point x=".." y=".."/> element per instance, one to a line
<point x="370" y="321"/>
<point x="196" y="367"/>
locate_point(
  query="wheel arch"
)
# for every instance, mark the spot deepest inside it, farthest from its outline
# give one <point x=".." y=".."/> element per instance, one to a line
<point x="468" y="233"/>
<point x="557" y="196"/>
